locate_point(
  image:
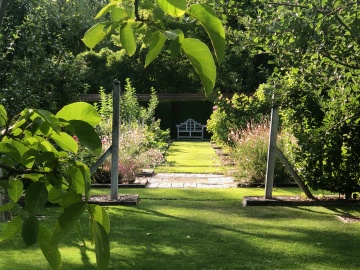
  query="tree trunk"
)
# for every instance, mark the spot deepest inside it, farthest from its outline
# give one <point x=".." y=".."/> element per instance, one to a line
<point x="3" y="5"/>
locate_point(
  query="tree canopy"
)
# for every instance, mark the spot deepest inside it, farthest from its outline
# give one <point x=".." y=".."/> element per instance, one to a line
<point x="315" y="48"/>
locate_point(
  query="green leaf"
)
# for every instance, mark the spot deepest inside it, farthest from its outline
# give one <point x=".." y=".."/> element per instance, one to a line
<point x="37" y="123"/>
<point x="56" y="179"/>
<point x="118" y="14"/>
<point x="79" y="178"/>
<point x="3" y="183"/>
<point x="208" y="19"/>
<point x="46" y="156"/>
<point x="24" y="116"/>
<point x="3" y="116"/>
<point x="7" y="207"/>
<point x="16" y="190"/>
<point x="20" y="147"/>
<point x="95" y="35"/>
<point x="127" y="38"/>
<point x="174" y="8"/>
<point x="32" y="141"/>
<point x="49" y="118"/>
<point x="46" y="146"/>
<point x="30" y="230"/>
<point x="33" y="176"/>
<point x="11" y="228"/>
<point x="52" y="255"/>
<point x="175" y="46"/>
<point x="156" y="45"/>
<point x="106" y="9"/>
<point x="7" y="161"/>
<point x="16" y="131"/>
<point x="203" y="62"/>
<point x="9" y="150"/>
<point x="36" y="197"/>
<point x="55" y="195"/>
<point x="170" y="35"/>
<point x="147" y="36"/>
<point x="99" y="214"/>
<point x="80" y="233"/>
<point x="102" y="247"/>
<point x="158" y="13"/>
<point x="80" y="111"/>
<point x="45" y="129"/>
<point x="87" y="136"/>
<point x="28" y="158"/>
<point x="69" y="198"/>
<point x="65" y="141"/>
<point x="66" y="222"/>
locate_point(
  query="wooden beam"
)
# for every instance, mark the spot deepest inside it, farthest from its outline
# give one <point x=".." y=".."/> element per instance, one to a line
<point x="270" y="166"/>
<point x="115" y="141"/>
<point x="161" y="97"/>
<point x="293" y="173"/>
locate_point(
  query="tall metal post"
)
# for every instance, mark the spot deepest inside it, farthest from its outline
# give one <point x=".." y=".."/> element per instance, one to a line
<point x="115" y="141"/>
<point x="270" y="166"/>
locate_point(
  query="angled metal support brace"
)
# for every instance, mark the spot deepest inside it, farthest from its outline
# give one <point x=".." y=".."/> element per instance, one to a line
<point x="101" y="160"/>
<point x="293" y="173"/>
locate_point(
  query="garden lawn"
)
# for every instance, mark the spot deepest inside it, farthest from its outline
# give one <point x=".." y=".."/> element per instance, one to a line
<point x="208" y="229"/>
<point x="191" y="157"/>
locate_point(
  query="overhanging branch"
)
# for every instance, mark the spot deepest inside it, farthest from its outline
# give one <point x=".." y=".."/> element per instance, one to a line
<point x="137" y="16"/>
<point x="327" y="55"/>
<point x="287" y="5"/>
<point x="13" y="171"/>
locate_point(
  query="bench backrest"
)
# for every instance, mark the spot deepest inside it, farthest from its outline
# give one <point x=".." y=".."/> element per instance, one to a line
<point x="190" y="125"/>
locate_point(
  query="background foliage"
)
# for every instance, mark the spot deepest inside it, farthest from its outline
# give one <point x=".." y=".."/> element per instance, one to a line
<point x="39" y="41"/>
<point x="314" y="45"/>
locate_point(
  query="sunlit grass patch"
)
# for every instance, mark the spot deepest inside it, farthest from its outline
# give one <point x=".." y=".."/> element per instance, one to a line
<point x="191" y="157"/>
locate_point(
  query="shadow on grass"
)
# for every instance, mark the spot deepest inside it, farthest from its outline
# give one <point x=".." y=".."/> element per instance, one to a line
<point x="289" y="238"/>
<point x="181" y="234"/>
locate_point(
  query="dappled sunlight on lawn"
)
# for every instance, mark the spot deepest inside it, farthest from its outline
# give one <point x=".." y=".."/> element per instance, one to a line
<point x="212" y="230"/>
<point x="217" y="234"/>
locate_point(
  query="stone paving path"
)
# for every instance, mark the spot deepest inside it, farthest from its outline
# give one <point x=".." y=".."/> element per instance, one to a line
<point x="184" y="180"/>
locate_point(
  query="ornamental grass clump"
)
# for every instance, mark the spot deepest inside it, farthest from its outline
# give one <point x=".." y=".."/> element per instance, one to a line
<point x="134" y="155"/>
<point x="250" y="154"/>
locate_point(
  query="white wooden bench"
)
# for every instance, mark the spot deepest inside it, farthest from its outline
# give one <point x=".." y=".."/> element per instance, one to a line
<point x="190" y="129"/>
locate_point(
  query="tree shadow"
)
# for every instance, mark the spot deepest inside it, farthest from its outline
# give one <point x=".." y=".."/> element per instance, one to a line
<point x="181" y="234"/>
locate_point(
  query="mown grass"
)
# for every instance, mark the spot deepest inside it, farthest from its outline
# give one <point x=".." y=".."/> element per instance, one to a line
<point x="208" y="229"/>
<point x="191" y="157"/>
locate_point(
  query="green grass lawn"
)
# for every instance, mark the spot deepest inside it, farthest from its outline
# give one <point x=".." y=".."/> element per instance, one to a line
<point x="208" y="229"/>
<point x="191" y="157"/>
